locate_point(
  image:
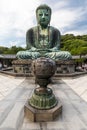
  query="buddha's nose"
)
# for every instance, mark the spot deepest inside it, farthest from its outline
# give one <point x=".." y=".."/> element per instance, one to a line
<point x="43" y="16"/>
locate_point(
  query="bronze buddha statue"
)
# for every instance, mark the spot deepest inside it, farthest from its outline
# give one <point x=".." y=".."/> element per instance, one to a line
<point x="43" y="40"/>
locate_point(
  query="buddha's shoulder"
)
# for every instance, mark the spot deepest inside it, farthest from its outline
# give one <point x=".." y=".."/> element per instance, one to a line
<point x="32" y="29"/>
<point x="35" y="29"/>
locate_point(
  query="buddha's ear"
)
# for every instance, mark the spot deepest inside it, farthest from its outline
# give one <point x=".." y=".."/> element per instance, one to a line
<point x="50" y="19"/>
<point x="37" y="17"/>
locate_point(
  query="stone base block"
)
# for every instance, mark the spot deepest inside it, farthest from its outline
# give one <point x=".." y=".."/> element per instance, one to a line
<point x="37" y="115"/>
<point x="25" y="66"/>
<point x="22" y="66"/>
<point x="65" y="66"/>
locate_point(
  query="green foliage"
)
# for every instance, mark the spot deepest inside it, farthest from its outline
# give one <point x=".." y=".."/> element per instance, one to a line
<point x="12" y="50"/>
<point x="81" y="60"/>
<point x="76" y="45"/>
<point x="3" y="49"/>
<point x="82" y="50"/>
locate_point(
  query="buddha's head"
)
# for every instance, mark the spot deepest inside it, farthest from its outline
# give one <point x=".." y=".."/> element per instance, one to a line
<point x="43" y="14"/>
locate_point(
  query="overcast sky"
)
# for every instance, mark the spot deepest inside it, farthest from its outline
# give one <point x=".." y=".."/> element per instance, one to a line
<point x="17" y="16"/>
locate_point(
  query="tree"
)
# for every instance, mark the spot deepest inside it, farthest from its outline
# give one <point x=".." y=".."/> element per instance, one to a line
<point x="3" y="49"/>
<point x="11" y="50"/>
<point x="82" y="50"/>
<point x="76" y="45"/>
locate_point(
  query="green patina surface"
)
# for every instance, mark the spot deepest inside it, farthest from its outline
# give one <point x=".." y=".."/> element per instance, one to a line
<point x="43" y="39"/>
<point x="43" y="101"/>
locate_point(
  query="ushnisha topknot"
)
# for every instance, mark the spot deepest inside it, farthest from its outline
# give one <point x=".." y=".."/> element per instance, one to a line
<point x="44" y="6"/>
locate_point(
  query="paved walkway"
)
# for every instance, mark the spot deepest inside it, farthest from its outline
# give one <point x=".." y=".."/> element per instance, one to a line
<point x="7" y="84"/>
<point x="78" y="85"/>
<point x="72" y="93"/>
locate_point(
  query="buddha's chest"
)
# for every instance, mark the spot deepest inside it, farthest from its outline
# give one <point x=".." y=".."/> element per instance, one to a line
<point x="43" y="39"/>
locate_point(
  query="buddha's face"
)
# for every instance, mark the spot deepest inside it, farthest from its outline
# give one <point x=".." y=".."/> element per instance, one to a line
<point x="43" y="17"/>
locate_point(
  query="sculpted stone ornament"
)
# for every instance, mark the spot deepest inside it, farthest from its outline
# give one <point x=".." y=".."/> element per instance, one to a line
<point x="43" y="40"/>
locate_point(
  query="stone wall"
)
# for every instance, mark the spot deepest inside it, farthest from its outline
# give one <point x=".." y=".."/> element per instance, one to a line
<point x="25" y="66"/>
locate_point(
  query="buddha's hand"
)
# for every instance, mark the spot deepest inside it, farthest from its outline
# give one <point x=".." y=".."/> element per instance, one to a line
<point x="44" y="50"/>
<point x="33" y="49"/>
<point x="54" y="49"/>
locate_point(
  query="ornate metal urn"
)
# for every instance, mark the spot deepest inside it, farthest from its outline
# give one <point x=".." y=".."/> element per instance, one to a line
<point x="43" y="97"/>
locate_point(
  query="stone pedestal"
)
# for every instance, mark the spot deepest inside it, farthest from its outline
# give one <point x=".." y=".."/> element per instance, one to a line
<point x="37" y="115"/>
<point x="65" y="66"/>
<point x="24" y="66"/>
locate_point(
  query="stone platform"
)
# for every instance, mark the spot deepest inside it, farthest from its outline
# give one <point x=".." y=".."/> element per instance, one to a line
<point x="25" y="66"/>
<point x="15" y="91"/>
<point x="22" y="66"/>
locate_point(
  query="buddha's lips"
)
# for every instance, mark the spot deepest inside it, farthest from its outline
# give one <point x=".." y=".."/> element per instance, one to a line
<point x="43" y="21"/>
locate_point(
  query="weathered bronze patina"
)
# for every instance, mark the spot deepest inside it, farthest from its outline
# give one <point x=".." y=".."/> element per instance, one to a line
<point x="43" y="105"/>
<point x="43" y="39"/>
<point x="43" y="97"/>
